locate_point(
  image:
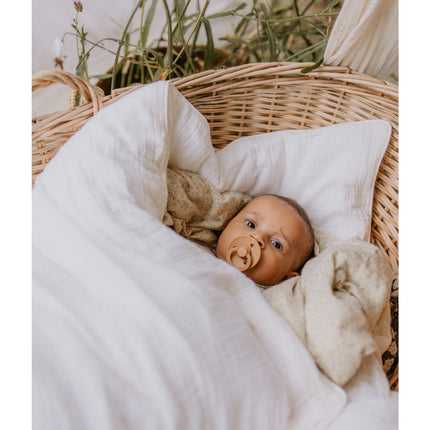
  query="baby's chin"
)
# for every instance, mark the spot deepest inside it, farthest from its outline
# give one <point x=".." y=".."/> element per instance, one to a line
<point x="262" y="281"/>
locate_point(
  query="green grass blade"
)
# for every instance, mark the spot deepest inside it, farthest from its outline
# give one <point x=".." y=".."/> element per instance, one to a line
<point x="269" y="32"/>
<point x="122" y="42"/>
<point x="226" y="13"/>
<point x="318" y="28"/>
<point x="179" y="31"/>
<point x="296" y="8"/>
<point x="299" y="56"/>
<point x="147" y="24"/>
<point x="179" y="27"/>
<point x="242" y="26"/>
<point x="331" y="5"/>
<point x="197" y="25"/>
<point x="314" y="66"/>
<point x="210" y="48"/>
<point x="169" y="52"/>
<point x="194" y="31"/>
<point x="233" y="39"/>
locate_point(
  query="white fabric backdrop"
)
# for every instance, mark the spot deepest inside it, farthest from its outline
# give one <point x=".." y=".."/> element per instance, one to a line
<point x="365" y="38"/>
<point x="101" y="18"/>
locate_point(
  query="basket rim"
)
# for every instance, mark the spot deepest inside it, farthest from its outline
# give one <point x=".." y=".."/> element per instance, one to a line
<point x="346" y="75"/>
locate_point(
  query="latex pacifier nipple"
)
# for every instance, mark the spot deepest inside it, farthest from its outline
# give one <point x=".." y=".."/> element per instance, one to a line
<point x="243" y="252"/>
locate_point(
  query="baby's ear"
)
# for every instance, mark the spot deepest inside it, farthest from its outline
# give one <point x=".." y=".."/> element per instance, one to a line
<point x="291" y="275"/>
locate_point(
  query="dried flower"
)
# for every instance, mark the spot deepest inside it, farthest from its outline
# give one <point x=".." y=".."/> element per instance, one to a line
<point x="59" y="62"/>
<point x="57" y="46"/>
<point x="78" y="6"/>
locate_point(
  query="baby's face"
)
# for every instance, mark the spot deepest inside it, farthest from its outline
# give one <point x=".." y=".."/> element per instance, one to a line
<point x="280" y="231"/>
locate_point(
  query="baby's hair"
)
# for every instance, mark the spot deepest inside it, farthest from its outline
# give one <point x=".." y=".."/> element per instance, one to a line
<point x="305" y="217"/>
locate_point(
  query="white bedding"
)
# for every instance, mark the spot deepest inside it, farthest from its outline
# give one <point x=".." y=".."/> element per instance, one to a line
<point x="134" y="327"/>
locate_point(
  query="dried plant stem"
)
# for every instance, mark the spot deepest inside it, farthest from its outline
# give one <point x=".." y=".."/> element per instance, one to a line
<point x="169" y="35"/>
<point x="271" y="31"/>
<point x="99" y="45"/>
<point x="193" y="29"/>
<point x="122" y="43"/>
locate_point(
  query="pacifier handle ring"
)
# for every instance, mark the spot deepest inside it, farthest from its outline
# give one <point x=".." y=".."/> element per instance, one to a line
<point x="244" y="252"/>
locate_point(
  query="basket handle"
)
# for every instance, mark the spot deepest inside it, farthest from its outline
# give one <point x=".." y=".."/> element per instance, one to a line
<point x="89" y="92"/>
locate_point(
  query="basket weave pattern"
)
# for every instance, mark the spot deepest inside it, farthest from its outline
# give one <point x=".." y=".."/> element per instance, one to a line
<point x="253" y="99"/>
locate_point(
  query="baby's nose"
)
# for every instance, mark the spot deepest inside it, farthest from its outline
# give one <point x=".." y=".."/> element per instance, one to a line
<point x="259" y="239"/>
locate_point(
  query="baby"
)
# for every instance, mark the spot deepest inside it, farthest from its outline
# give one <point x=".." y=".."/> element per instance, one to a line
<point x="269" y="239"/>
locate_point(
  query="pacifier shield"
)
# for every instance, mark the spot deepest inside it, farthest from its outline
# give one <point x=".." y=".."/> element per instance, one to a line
<point x="243" y="252"/>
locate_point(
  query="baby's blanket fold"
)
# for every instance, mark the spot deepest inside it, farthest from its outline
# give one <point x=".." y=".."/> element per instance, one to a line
<point x="339" y="306"/>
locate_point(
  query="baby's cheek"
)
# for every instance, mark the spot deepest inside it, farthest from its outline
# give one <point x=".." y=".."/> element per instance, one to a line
<point x="267" y="273"/>
<point x="220" y="252"/>
<point x="221" y="248"/>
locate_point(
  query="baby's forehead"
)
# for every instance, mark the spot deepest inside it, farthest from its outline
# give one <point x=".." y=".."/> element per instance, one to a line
<point x="275" y="209"/>
<point x="267" y="203"/>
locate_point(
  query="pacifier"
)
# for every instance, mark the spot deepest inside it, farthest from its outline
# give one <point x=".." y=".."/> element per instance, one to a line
<point x="243" y="252"/>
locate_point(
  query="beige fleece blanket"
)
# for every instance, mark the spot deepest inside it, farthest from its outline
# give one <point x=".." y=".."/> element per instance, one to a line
<point x="338" y="306"/>
<point x="196" y="209"/>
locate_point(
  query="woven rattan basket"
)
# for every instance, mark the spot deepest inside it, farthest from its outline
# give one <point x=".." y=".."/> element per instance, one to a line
<point x="253" y="99"/>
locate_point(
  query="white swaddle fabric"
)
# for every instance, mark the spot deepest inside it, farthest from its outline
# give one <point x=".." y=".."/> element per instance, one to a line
<point x="365" y="38"/>
<point x="134" y="327"/>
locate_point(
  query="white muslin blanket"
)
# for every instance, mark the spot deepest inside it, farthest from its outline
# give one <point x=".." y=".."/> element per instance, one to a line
<point x="134" y="327"/>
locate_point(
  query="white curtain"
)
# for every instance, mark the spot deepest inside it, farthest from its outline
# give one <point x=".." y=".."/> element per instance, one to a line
<point x="365" y="38"/>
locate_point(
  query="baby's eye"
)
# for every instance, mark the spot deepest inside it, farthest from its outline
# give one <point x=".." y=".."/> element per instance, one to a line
<point x="276" y="244"/>
<point x="250" y="224"/>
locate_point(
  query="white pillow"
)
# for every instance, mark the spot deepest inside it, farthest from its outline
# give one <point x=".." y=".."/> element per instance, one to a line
<point x="330" y="171"/>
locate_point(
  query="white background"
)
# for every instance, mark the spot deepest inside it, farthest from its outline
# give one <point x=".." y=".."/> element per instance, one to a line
<point x="15" y="231"/>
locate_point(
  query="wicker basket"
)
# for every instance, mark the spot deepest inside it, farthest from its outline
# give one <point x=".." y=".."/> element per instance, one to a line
<point x="253" y="99"/>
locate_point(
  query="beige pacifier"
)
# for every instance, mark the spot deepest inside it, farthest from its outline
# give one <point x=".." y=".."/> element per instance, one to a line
<point x="243" y="252"/>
